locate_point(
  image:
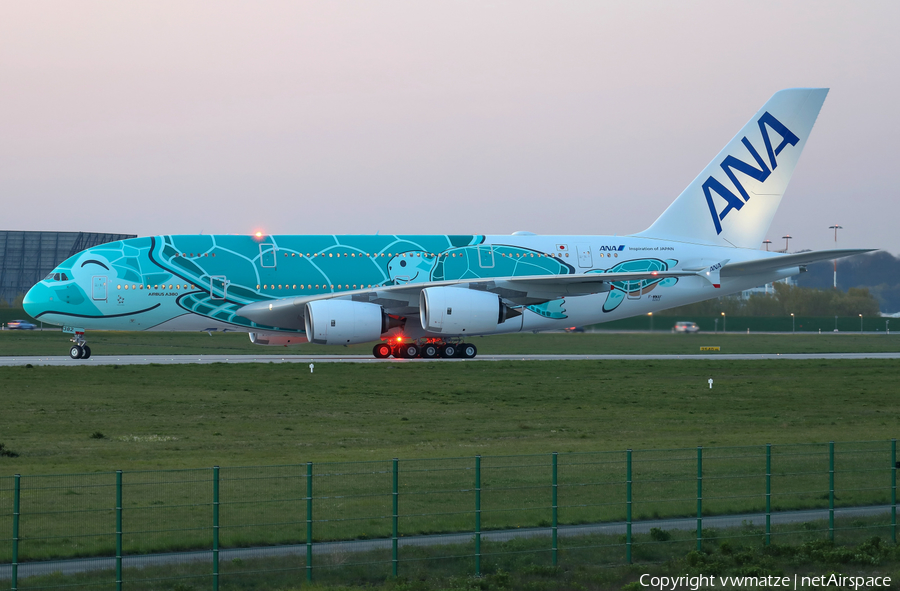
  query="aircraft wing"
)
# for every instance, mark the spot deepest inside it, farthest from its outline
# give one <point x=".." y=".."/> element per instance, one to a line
<point x="403" y="299"/>
<point x="786" y="261"/>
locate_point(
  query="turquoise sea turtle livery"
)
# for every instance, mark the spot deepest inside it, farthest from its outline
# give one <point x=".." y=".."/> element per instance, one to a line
<point x="430" y="295"/>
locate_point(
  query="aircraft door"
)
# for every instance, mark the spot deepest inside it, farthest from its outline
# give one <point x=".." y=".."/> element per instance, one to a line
<point x="267" y="256"/>
<point x="585" y="260"/>
<point x="218" y="287"/>
<point x="486" y="257"/>
<point x="98" y="288"/>
<point x="634" y="289"/>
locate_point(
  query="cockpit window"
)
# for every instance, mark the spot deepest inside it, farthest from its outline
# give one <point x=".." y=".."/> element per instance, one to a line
<point x="56" y="276"/>
<point x="63" y="277"/>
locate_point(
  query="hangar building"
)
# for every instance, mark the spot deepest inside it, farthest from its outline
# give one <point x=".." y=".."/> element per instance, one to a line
<point x="27" y="257"/>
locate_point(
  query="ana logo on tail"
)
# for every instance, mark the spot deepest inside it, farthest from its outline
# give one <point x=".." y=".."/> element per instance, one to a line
<point x="731" y="164"/>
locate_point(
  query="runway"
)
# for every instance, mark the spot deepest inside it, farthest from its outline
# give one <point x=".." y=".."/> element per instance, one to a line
<point x="66" y="361"/>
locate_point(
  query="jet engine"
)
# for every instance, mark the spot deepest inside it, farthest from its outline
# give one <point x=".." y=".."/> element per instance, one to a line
<point x="461" y="311"/>
<point x="344" y="322"/>
<point x="276" y="340"/>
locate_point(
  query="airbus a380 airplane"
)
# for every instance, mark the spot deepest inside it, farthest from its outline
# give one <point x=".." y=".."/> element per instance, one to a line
<point x="424" y="295"/>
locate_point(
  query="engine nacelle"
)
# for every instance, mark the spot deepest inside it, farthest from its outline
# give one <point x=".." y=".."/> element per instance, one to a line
<point x="344" y="322"/>
<point x="276" y="340"/>
<point x="461" y="311"/>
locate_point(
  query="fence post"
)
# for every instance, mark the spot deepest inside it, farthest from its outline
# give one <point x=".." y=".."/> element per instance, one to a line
<point x="555" y="511"/>
<point x="309" y="529"/>
<point x="478" y="516"/>
<point x="628" y="506"/>
<point x="17" y="491"/>
<point x="118" y="530"/>
<point x="699" y="497"/>
<point x="768" y="493"/>
<point x="215" y="547"/>
<point x="394" y="520"/>
<point x="894" y="490"/>
<point x="831" y="490"/>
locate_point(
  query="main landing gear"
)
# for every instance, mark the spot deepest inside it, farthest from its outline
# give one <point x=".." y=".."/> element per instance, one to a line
<point x="79" y="350"/>
<point x="426" y="350"/>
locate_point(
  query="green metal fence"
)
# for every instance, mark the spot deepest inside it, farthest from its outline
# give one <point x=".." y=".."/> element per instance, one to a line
<point x="363" y="521"/>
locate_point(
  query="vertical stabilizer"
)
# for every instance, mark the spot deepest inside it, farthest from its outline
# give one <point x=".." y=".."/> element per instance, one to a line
<point x="732" y="202"/>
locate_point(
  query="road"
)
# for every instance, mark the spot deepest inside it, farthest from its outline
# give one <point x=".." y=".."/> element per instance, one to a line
<point x="82" y="565"/>
<point x="205" y="359"/>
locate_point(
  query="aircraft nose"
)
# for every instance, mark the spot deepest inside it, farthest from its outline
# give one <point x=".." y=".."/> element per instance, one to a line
<point x="35" y="300"/>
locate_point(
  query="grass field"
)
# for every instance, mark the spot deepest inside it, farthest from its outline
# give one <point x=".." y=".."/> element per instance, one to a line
<point x="92" y="420"/>
<point x="193" y="416"/>
<point x="15" y="343"/>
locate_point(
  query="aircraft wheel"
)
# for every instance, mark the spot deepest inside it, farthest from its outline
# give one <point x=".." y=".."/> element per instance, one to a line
<point x="449" y="350"/>
<point x="76" y="352"/>
<point x="430" y="351"/>
<point x="382" y="351"/>
<point x="409" y="351"/>
<point x="468" y="351"/>
<point x="87" y="352"/>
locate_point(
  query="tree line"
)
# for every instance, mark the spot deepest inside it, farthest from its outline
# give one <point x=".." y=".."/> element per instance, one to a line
<point x="787" y="299"/>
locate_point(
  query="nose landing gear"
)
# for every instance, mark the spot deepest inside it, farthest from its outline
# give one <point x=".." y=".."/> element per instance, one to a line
<point x="79" y="350"/>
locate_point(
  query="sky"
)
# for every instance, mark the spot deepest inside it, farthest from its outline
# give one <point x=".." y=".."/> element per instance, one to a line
<point x="433" y="117"/>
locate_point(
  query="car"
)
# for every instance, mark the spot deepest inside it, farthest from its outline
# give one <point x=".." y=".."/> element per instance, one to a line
<point x="20" y="325"/>
<point x="686" y="327"/>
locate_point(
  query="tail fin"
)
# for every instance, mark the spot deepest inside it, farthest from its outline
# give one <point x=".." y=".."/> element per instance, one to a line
<point x="734" y="199"/>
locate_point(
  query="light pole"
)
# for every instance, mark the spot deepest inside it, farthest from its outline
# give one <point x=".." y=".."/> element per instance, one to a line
<point x="767" y="242"/>
<point x="787" y="241"/>
<point x="792" y="323"/>
<point x="723" y="322"/>
<point x="835" y="228"/>
<point x="860" y="323"/>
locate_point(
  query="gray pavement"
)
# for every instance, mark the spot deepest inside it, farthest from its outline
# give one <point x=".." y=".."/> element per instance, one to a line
<point x="205" y="359"/>
<point x="82" y="565"/>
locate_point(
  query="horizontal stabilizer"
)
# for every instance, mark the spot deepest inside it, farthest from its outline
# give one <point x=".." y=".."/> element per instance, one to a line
<point x="775" y="262"/>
